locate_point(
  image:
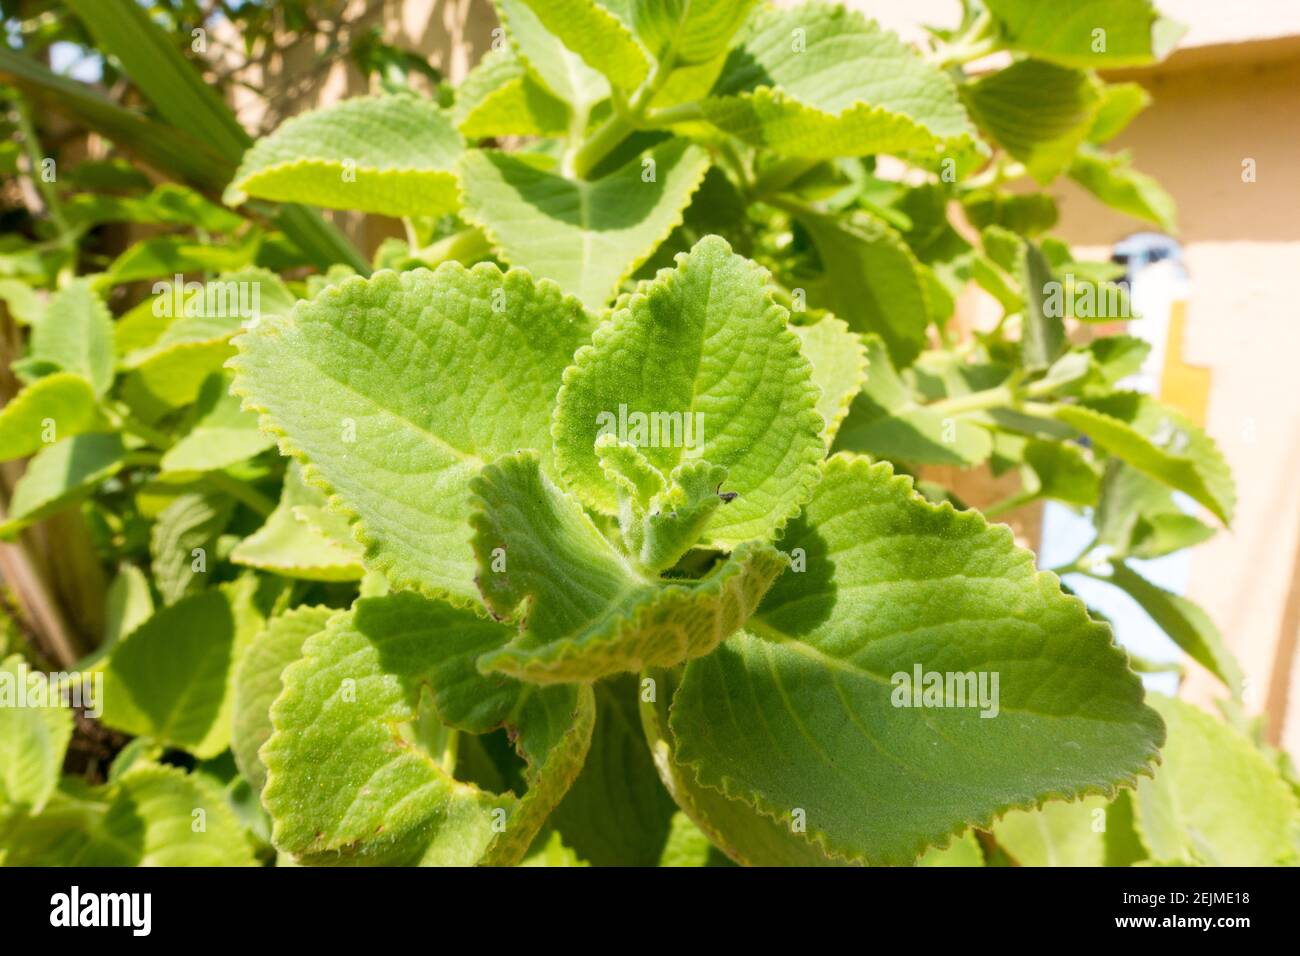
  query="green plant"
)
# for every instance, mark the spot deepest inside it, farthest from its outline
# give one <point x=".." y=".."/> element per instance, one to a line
<point x="595" y="525"/>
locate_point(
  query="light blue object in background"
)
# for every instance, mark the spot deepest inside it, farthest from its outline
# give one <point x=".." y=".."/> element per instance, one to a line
<point x="1157" y="279"/>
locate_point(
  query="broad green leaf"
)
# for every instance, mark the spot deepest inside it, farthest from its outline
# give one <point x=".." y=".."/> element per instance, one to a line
<point x="223" y="434"/>
<point x="61" y="474"/>
<point x="170" y="678"/>
<point x="351" y="775"/>
<point x="688" y="31"/>
<point x="742" y="833"/>
<point x="146" y="817"/>
<point x="820" y="81"/>
<point x="1097" y="34"/>
<point x="559" y="69"/>
<point x="1036" y="111"/>
<point x="587" y="236"/>
<point x="872" y="280"/>
<point x="56" y="406"/>
<point x="302" y="538"/>
<point x="500" y="98"/>
<point x="596" y="35"/>
<point x="839" y="364"/>
<point x="391" y="155"/>
<point x="814" y="707"/>
<point x="1056" y="834"/>
<point x="589" y="611"/>
<point x="1158" y="441"/>
<point x="886" y="421"/>
<point x="1184" y="621"/>
<point x="33" y="738"/>
<point x="1113" y="180"/>
<point x="392" y="392"/>
<point x="182" y="542"/>
<point x="257" y="683"/>
<point x="698" y="365"/>
<point x="1216" y="800"/>
<point x="617" y="813"/>
<point x="76" y="335"/>
<point x="1119" y="104"/>
<point x="963" y="851"/>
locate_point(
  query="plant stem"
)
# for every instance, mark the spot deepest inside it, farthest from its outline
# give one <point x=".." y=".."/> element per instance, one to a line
<point x="600" y="144"/>
<point x="979" y="40"/>
<point x="781" y="174"/>
<point x="975" y="402"/>
<point x="463" y="246"/>
<point x="241" y="491"/>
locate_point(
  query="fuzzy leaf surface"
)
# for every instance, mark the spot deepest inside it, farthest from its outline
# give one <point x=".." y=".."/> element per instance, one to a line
<point x="804" y="708"/>
<point x="393" y="391"/>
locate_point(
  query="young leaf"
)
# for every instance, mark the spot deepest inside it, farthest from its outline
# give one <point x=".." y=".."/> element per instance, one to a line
<point x="76" y="335"/>
<point x="839" y="364"/>
<point x="559" y="69"/>
<point x="702" y="344"/>
<point x="819" y="81"/>
<point x="257" y="683"/>
<point x="596" y="35"/>
<point x="811" y="708"/>
<point x="1158" y="441"/>
<point x="872" y="280"/>
<point x="56" y="406"/>
<point x="589" y="612"/>
<point x="1097" y="34"/>
<point x="1037" y="112"/>
<point x="32" y="739"/>
<point x="223" y="434"/>
<point x="169" y="679"/>
<point x="500" y="98"/>
<point x="391" y="155"/>
<point x="1216" y="799"/>
<point x="302" y="538"/>
<point x="350" y="776"/>
<point x="587" y="236"/>
<point x="393" y="391"/>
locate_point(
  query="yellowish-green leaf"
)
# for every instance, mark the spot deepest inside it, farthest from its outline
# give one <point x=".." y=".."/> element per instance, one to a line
<point x="390" y="154"/>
